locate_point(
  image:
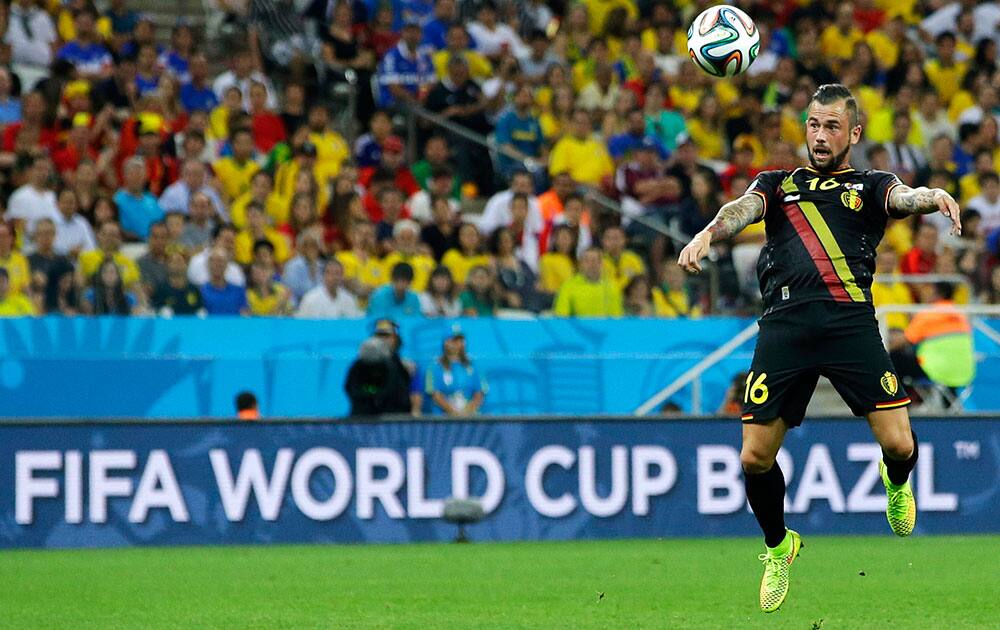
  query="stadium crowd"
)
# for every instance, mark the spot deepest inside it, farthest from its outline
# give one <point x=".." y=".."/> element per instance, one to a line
<point x="146" y="176"/>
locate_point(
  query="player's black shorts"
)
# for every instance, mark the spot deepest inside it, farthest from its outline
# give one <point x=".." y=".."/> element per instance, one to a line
<point x="799" y="343"/>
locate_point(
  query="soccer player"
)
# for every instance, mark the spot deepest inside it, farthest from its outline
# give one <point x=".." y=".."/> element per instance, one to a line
<point x="823" y="223"/>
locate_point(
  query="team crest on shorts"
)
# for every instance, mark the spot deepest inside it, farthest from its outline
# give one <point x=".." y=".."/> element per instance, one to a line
<point x="889" y="383"/>
<point x="851" y="199"/>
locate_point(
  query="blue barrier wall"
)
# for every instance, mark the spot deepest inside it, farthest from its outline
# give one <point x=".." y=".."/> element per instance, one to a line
<point x="169" y="368"/>
<point x="190" y="483"/>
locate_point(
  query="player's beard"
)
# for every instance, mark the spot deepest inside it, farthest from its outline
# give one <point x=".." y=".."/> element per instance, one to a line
<point x="835" y="160"/>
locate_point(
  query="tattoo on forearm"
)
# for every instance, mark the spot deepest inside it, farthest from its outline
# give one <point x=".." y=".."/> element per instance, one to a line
<point x="913" y="200"/>
<point x="734" y="216"/>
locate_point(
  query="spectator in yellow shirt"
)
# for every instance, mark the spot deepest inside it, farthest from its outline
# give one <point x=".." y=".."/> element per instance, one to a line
<point x="619" y="264"/>
<point x="13" y="261"/>
<point x="600" y="10"/>
<point x="671" y="299"/>
<point x="557" y="266"/>
<point x="331" y="148"/>
<point x="261" y="191"/>
<point x="257" y="229"/>
<point x="236" y="171"/>
<point x="13" y="304"/>
<point x="265" y="297"/>
<point x="588" y="294"/>
<point x="109" y="242"/>
<point x="580" y="154"/>
<point x="287" y="182"/>
<point x="706" y="128"/>
<point x="363" y="269"/>
<point x="406" y="244"/>
<point x="885" y="42"/>
<point x="945" y="73"/>
<point x="888" y="290"/>
<point x="838" y="40"/>
<point x="457" y="41"/>
<point x="228" y="109"/>
<point x="467" y="255"/>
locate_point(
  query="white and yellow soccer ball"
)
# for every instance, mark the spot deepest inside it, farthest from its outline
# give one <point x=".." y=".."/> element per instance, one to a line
<point x="723" y="41"/>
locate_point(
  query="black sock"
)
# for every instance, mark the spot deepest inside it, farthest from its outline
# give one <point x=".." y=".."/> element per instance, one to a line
<point x="766" y="493"/>
<point x="899" y="469"/>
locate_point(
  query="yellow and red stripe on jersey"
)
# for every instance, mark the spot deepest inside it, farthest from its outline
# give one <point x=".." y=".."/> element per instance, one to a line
<point x="893" y="404"/>
<point x="822" y="246"/>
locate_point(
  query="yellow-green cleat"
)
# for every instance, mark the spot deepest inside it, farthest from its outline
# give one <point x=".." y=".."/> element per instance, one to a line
<point x="774" y="584"/>
<point x="900" y="509"/>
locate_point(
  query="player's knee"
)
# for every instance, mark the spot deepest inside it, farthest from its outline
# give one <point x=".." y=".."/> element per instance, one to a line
<point x="899" y="445"/>
<point x="754" y="461"/>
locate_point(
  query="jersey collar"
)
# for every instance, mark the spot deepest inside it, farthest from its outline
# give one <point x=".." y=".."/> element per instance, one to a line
<point x="840" y="172"/>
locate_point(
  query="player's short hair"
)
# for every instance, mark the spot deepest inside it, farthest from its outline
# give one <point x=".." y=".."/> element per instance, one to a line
<point x="831" y="93"/>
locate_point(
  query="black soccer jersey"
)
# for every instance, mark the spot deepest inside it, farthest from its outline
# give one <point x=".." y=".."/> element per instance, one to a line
<point x="822" y="231"/>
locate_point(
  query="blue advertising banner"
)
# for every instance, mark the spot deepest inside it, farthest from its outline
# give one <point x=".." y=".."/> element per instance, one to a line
<point x="104" y="485"/>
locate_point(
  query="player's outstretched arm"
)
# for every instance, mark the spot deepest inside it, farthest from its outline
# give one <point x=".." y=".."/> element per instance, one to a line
<point x="732" y="218"/>
<point x="926" y="201"/>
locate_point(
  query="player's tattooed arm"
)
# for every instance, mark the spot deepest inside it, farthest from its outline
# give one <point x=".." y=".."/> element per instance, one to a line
<point x="731" y="219"/>
<point x="925" y="201"/>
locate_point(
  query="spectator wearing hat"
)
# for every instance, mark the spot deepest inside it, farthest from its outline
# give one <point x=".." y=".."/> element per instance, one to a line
<point x="35" y="199"/>
<point x="452" y="383"/>
<point x="406" y="248"/>
<point x="31" y="35"/>
<point x="77" y="146"/>
<point x="13" y="303"/>
<point x="89" y="57"/>
<point x="589" y="293"/>
<point x="137" y="207"/>
<point x="161" y="168"/>
<point x="392" y="166"/>
<point x="582" y="156"/>
<point x="236" y="171"/>
<point x="406" y="72"/>
<point x="219" y="296"/>
<point x="109" y="242"/>
<point x="224" y="238"/>
<point x="330" y="300"/>
<point x="395" y="299"/>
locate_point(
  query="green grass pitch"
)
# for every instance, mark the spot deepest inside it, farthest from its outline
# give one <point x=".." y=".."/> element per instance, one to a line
<point x="921" y="582"/>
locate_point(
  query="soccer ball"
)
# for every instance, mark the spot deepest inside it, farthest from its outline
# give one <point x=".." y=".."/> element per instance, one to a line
<point x="723" y="41"/>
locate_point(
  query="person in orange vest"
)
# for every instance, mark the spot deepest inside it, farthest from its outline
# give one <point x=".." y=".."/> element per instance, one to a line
<point x="940" y="339"/>
<point x="246" y="406"/>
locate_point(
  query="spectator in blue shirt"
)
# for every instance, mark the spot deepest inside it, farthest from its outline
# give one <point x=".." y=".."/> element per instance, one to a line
<point x="137" y="207"/>
<point x="219" y="296"/>
<point x="175" y="60"/>
<point x="621" y="146"/>
<point x="452" y="383"/>
<point x="406" y="11"/>
<point x="90" y="58"/>
<point x="197" y="94"/>
<point x="395" y="300"/>
<point x="406" y="72"/>
<point x="436" y="29"/>
<point x="519" y="130"/>
<point x="10" y="106"/>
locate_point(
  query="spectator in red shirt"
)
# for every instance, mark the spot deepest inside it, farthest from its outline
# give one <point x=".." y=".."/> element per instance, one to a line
<point x="77" y="146"/>
<point x="393" y="170"/>
<point x="922" y="257"/>
<point x="32" y="122"/>
<point x="268" y="128"/>
<point x="742" y="164"/>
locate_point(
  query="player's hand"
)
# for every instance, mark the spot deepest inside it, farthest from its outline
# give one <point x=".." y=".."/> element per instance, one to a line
<point x="694" y="251"/>
<point x="949" y="208"/>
